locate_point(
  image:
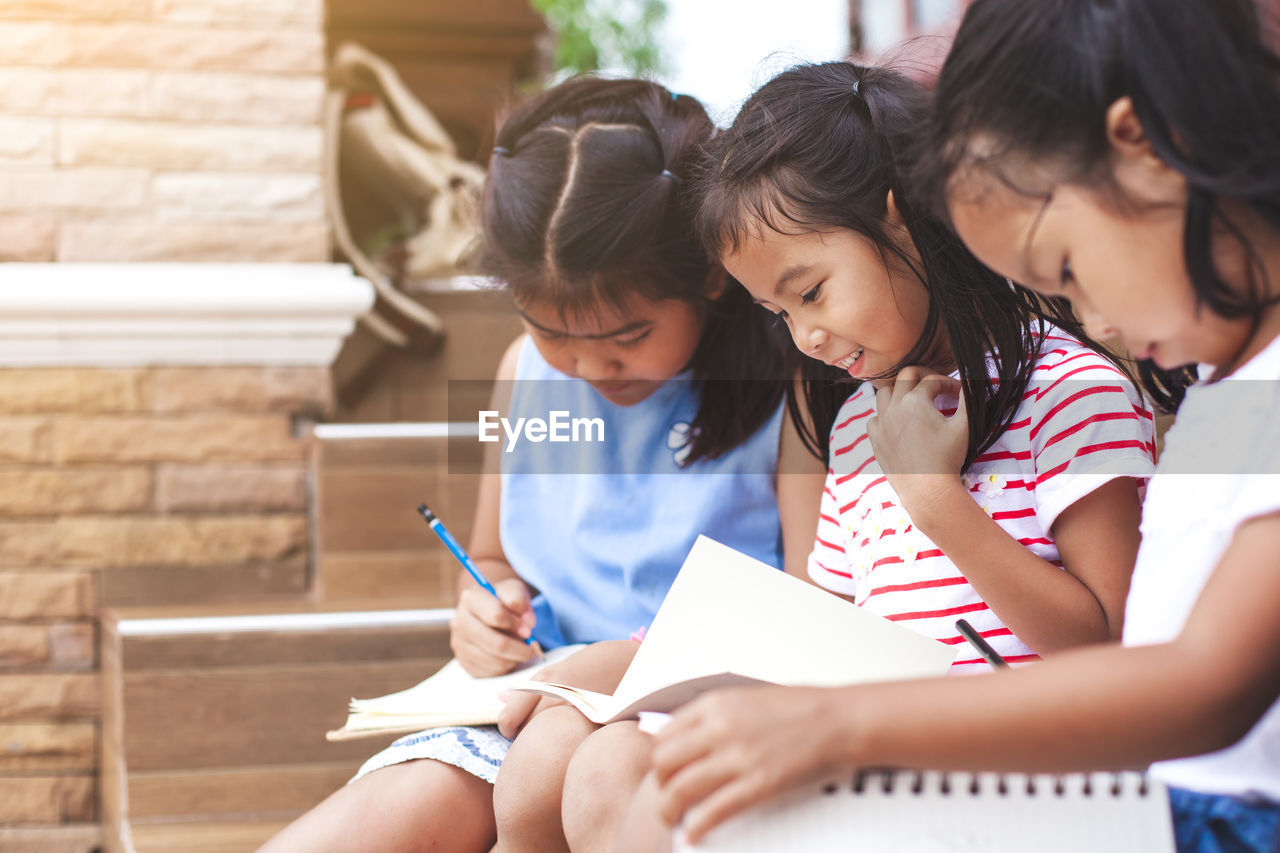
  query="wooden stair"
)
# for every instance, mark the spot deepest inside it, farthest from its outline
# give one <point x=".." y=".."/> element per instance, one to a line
<point x="68" y="838"/>
<point x="214" y="716"/>
<point x="213" y="725"/>
<point x="221" y="836"/>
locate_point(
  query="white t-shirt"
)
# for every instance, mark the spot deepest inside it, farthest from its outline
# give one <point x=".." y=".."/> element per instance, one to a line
<point x="1081" y="424"/>
<point x="1220" y="467"/>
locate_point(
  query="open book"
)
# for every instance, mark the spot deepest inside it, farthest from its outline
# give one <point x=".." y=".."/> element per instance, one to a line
<point x="730" y="619"/>
<point x="451" y="697"/>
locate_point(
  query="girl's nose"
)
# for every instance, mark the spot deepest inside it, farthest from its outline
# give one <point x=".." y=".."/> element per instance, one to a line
<point x="593" y="367"/>
<point x="810" y="339"/>
<point x="1096" y="326"/>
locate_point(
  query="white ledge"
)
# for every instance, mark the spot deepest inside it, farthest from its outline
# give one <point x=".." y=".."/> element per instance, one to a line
<point x="429" y="429"/>
<point x="284" y="622"/>
<point x="118" y="315"/>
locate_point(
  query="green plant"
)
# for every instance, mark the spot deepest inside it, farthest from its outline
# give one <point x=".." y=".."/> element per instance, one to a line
<point x="618" y="35"/>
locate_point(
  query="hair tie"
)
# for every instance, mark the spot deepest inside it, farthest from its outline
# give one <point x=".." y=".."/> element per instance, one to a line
<point x="856" y="93"/>
<point x="671" y="177"/>
<point x="499" y="151"/>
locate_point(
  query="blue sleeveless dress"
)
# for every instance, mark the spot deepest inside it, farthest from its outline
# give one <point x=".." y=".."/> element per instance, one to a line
<point x="600" y="525"/>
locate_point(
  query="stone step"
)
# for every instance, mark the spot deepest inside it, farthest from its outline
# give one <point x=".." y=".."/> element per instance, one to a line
<point x="69" y="838"/>
<point x="159" y="796"/>
<point x="214" y="721"/>
<point x="210" y="836"/>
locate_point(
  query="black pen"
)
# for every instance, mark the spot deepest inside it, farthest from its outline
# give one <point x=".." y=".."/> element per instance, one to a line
<point x="989" y="654"/>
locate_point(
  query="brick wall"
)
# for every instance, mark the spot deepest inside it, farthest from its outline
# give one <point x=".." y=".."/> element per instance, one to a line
<point x="150" y="485"/>
<point x="139" y="131"/>
<point x="142" y="130"/>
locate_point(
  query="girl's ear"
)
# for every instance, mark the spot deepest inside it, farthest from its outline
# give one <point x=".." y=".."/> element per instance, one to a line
<point x="1124" y="131"/>
<point x="1138" y="169"/>
<point x="717" y="279"/>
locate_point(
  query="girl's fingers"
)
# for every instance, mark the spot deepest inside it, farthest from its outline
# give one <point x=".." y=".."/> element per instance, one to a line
<point x="480" y="665"/>
<point x="680" y="742"/>
<point x="935" y="386"/>
<point x="482" y="640"/>
<point x="738" y="794"/>
<point x="516" y="713"/>
<point x="692" y="784"/>
<point x="906" y="380"/>
<point x="962" y="409"/>
<point x="506" y="648"/>
<point x="884" y="396"/>
<point x="492" y="612"/>
<point x="514" y="596"/>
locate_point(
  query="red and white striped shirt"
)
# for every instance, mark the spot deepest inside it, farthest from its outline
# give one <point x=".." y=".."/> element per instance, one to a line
<point x="1081" y="424"/>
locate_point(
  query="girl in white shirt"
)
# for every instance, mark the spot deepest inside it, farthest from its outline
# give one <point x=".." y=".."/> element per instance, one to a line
<point x="1125" y="155"/>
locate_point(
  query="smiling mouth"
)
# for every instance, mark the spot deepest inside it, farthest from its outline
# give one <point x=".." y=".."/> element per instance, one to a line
<point x="850" y="359"/>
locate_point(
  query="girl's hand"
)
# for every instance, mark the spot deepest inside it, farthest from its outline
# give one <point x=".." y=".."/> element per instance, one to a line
<point x="919" y="449"/>
<point x="598" y="667"/>
<point x="734" y="748"/>
<point x="487" y="634"/>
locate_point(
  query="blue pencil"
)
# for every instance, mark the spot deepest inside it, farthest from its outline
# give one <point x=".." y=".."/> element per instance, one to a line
<point x="463" y="557"/>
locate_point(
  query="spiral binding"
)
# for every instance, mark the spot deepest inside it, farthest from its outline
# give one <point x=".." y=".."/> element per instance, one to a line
<point x="931" y="782"/>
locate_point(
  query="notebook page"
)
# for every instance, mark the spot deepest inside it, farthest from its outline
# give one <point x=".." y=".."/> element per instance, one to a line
<point x="906" y="812"/>
<point x="604" y="708"/>
<point x="453" y="689"/>
<point x="727" y="612"/>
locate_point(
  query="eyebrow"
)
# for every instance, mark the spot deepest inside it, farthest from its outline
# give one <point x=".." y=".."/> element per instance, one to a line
<point x="790" y="274"/>
<point x="633" y="326"/>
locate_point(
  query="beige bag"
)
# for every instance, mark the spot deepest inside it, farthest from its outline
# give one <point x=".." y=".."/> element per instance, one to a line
<point x="381" y="135"/>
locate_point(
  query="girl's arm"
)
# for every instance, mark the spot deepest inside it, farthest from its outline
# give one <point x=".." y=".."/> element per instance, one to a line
<point x="799" y="485"/>
<point x="1104" y="707"/>
<point x="1047" y="608"/>
<point x="1097" y="536"/>
<point x="487" y="633"/>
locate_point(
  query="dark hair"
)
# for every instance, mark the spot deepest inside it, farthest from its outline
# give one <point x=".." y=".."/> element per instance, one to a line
<point x="818" y="148"/>
<point x="585" y="205"/>
<point x="1035" y="78"/>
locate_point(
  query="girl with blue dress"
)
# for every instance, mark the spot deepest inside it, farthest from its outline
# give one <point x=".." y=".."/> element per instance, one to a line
<point x="697" y="418"/>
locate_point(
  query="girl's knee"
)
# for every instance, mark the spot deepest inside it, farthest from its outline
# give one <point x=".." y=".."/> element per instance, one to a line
<point x="615" y="756"/>
<point x="601" y="780"/>
<point x="641" y="828"/>
<point x="554" y="731"/>
<point x="544" y="745"/>
<point x="398" y="809"/>
<point x="429" y="798"/>
<point x="526" y="797"/>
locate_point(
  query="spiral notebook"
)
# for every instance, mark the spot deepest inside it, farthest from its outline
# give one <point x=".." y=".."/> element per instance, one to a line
<point x="931" y="812"/>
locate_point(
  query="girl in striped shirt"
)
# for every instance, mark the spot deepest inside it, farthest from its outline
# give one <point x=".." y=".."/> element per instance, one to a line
<point x="988" y="467"/>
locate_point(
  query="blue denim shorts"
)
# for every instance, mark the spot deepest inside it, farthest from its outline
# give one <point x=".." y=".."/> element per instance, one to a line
<point x="1215" y="823"/>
